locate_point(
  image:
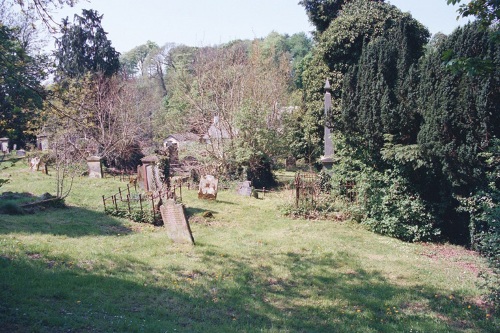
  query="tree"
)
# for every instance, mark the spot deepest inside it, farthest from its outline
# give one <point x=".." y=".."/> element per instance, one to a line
<point x="486" y="11"/>
<point x="340" y="47"/>
<point x="84" y="47"/>
<point x="133" y="61"/>
<point x="241" y="89"/>
<point x="21" y="93"/>
<point x="43" y="8"/>
<point x="322" y="12"/>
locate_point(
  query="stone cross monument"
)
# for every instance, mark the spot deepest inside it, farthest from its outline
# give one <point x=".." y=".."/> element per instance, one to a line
<point x="327" y="158"/>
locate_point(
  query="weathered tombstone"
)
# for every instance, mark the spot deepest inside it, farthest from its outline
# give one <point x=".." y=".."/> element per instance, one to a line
<point x="21" y="152"/>
<point x="94" y="166"/>
<point x="14" y="147"/>
<point x="175" y="222"/>
<point x="173" y="153"/>
<point x="150" y="174"/>
<point x="42" y="142"/>
<point x="4" y="145"/>
<point x="140" y="177"/>
<point x="34" y="163"/>
<point x="290" y="163"/>
<point x="208" y="188"/>
<point x="245" y="188"/>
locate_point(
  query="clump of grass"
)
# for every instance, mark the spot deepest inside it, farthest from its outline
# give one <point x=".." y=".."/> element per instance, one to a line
<point x="10" y="208"/>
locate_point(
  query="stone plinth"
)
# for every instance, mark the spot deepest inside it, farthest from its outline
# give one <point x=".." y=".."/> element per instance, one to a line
<point x="42" y="142"/>
<point x="94" y="167"/>
<point x="4" y="145"/>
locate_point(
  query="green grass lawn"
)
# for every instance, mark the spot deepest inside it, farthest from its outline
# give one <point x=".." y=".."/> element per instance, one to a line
<point x="251" y="270"/>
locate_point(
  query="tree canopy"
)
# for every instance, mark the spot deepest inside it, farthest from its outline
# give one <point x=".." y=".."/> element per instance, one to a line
<point x="84" y="47"/>
<point x="21" y="92"/>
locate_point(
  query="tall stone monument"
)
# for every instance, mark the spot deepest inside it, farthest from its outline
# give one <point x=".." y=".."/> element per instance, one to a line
<point x="327" y="158"/>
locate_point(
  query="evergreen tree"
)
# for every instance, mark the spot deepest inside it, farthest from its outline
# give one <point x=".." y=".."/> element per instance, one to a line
<point x="84" y="47"/>
<point x="461" y="118"/>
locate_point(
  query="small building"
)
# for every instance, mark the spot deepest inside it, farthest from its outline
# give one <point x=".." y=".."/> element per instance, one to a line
<point x="180" y="139"/>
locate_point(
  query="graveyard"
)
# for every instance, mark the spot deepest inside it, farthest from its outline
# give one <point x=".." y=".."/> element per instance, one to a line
<point x="250" y="269"/>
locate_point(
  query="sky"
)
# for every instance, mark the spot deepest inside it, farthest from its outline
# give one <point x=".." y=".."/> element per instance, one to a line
<point x="130" y="23"/>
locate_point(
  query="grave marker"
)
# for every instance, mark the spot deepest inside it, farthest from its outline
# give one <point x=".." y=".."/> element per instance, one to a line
<point x="175" y="222"/>
<point x="208" y="188"/>
<point x="95" y="166"/>
<point x="4" y="145"/>
<point x="245" y="188"/>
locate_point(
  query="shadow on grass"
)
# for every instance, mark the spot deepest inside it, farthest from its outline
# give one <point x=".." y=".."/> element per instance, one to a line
<point x="228" y="295"/>
<point x="69" y="221"/>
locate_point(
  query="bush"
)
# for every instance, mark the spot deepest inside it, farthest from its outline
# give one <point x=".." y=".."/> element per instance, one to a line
<point x="394" y="209"/>
<point x="10" y="208"/>
<point x="484" y="211"/>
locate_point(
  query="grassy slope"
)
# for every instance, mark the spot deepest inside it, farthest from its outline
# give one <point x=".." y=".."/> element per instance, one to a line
<point x="252" y="270"/>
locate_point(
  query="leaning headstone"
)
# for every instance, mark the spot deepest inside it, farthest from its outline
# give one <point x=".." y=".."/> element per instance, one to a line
<point x="208" y="188"/>
<point x="244" y="188"/>
<point x="21" y="152"/>
<point x="95" y="166"/>
<point x="175" y="222"/>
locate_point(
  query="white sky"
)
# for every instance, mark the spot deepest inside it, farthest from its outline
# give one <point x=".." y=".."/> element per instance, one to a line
<point x="130" y="23"/>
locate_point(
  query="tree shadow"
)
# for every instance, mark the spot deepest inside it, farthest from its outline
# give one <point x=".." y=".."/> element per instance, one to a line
<point x="229" y="295"/>
<point x="68" y="221"/>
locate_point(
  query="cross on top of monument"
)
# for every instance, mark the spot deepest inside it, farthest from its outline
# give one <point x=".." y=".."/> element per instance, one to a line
<point x="327" y="86"/>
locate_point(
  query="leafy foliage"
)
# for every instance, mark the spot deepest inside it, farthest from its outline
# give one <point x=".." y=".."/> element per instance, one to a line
<point x="484" y="210"/>
<point x="322" y="12"/>
<point x="21" y="93"/>
<point x="84" y="47"/>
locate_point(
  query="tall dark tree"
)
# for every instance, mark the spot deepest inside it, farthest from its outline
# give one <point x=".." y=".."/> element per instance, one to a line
<point x="378" y="92"/>
<point x="84" y="47"/>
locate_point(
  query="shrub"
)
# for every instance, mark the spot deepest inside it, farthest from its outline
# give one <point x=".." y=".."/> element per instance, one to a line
<point x="394" y="209"/>
<point x="10" y="208"/>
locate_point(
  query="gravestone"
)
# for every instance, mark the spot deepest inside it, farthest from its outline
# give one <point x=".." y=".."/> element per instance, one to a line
<point x="208" y="188"/>
<point x="4" y="145"/>
<point x="14" y="147"/>
<point x="42" y="142"/>
<point x="173" y="153"/>
<point x="140" y="177"/>
<point x="290" y="163"/>
<point x="94" y="166"/>
<point x="34" y="163"/>
<point x="21" y="152"/>
<point x="245" y="188"/>
<point x="150" y="174"/>
<point x="175" y="222"/>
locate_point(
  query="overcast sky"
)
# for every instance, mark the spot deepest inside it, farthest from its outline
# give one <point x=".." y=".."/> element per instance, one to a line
<point x="130" y="23"/>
